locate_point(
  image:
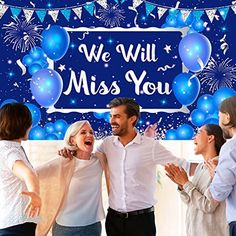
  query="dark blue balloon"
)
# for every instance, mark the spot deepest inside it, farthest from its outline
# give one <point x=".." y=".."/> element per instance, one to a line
<point x="27" y="60"/>
<point x="37" y="53"/>
<point x="170" y="134"/>
<point x="51" y="137"/>
<point x="198" y="25"/>
<point x="37" y="133"/>
<point x="10" y="100"/>
<point x="49" y="128"/>
<point x="184" y="132"/>
<point x="185" y="89"/>
<point x="46" y="86"/>
<point x="34" y="68"/>
<point x="206" y="104"/>
<point x="195" y="51"/>
<point x="60" y="125"/>
<point x="55" y="42"/>
<point x="197" y="117"/>
<point x="35" y="113"/>
<point x="221" y="94"/>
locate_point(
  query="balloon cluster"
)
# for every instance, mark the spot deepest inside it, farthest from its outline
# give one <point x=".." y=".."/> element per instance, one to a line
<point x="46" y="84"/>
<point x="102" y="115"/>
<point x="208" y="107"/>
<point x="51" y="131"/>
<point x="35" y="60"/>
<point x="183" y="132"/>
<point x="193" y="21"/>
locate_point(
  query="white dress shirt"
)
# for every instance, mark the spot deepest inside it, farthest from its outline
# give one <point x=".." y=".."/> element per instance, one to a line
<point x="133" y="171"/>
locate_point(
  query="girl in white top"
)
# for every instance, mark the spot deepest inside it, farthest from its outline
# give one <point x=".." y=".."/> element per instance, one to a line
<point x="18" y="214"/>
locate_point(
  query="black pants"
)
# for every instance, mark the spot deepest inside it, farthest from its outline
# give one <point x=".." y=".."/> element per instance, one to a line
<point x="138" y="225"/>
<point x="26" y="229"/>
<point x="232" y="228"/>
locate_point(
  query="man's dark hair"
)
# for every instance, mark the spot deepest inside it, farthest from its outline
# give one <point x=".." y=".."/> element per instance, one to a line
<point x="15" y="120"/>
<point x="215" y="130"/>
<point x="229" y="106"/>
<point x="132" y="107"/>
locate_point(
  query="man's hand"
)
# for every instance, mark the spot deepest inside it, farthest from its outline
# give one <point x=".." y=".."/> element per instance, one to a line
<point x="151" y="131"/>
<point x="66" y="153"/>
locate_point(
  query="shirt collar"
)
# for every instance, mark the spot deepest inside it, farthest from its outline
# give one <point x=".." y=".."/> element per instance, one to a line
<point x="10" y="143"/>
<point x="137" y="139"/>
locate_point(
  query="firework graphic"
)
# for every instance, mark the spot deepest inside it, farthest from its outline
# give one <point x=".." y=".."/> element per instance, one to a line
<point x="112" y="15"/>
<point x="23" y="35"/>
<point x="218" y="75"/>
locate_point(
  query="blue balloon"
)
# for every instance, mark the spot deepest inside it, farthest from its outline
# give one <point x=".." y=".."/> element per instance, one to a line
<point x="49" y="128"/>
<point x="170" y="134"/>
<point x="106" y="117"/>
<point x="191" y="31"/>
<point x="10" y="100"/>
<point x="35" y="113"/>
<point x="171" y="21"/>
<point x="198" y="25"/>
<point x="51" y="137"/>
<point x="46" y="86"/>
<point x="184" y="132"/>
<point x="197" y="117"/>
<point x="98" y="115"/>
<point x="195" y="51"/>
<point x="27" y="60"/>
<point x="60" y="125"/>
<point x="185" y="89"/>
<point x="180" y="20"/>
<point x="206" y="104"/>
<point x="173" y="12"/>
<point x="37" y="53"/>
<point x="34" y="68"/>
<point x="43" y="63"/>
<point x="60" y="135"/>
<point x="37" y="133"/>
<point x="221" y="94"/>
<point x="55" y="42"/>
<point x="211" y="121"/>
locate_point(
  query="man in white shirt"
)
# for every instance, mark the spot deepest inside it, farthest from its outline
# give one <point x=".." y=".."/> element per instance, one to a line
<point x="132" y="161"/>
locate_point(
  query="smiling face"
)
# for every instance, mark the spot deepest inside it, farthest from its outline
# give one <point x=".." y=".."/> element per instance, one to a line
<point x="120" y="123"/>
<point x="202" y="140"/>
<point x="84" y="139"/>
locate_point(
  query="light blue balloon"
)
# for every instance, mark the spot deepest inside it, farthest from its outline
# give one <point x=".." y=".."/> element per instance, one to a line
<point x="60" y="135"/>
<point x="185" y="132"/>
<point x="10" y="100"/>
<point x="221" y="94"/>
<point x="60" y="125"/>
<point x="206" y="104"/>
<point x="36" y="53"/>
<point x="106" y="117"/>
<point x="195" y="51"/>
<point x="98" y="115"/>
<point x="35" y="113"/>
<point x="55" y="42"/>
<point x="46" y="86"/>
<point x="211" y="121"/>
<point x="27" y="60"/>
<point x="49" y="128"/>
<point x="37" y="133"/>
<point x="197" y="117"/>
<point x="170" y="134"/>
<point x="186" y="90"/>
<point x="33" y="68"/>
<point x="51" y="137"/>
<point x="42" y="62"/>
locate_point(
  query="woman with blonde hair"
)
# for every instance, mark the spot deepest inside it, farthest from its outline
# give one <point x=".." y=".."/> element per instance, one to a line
<point x="72" y="188"/>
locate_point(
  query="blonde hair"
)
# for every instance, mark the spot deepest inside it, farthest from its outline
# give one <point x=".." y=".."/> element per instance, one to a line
<point x="72" y="130"/>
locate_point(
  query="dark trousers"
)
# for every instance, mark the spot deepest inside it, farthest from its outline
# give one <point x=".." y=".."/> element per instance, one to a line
<point x="26" y="229"/>
<point x="137" y="225"/>
<point x="232" y="228"/>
